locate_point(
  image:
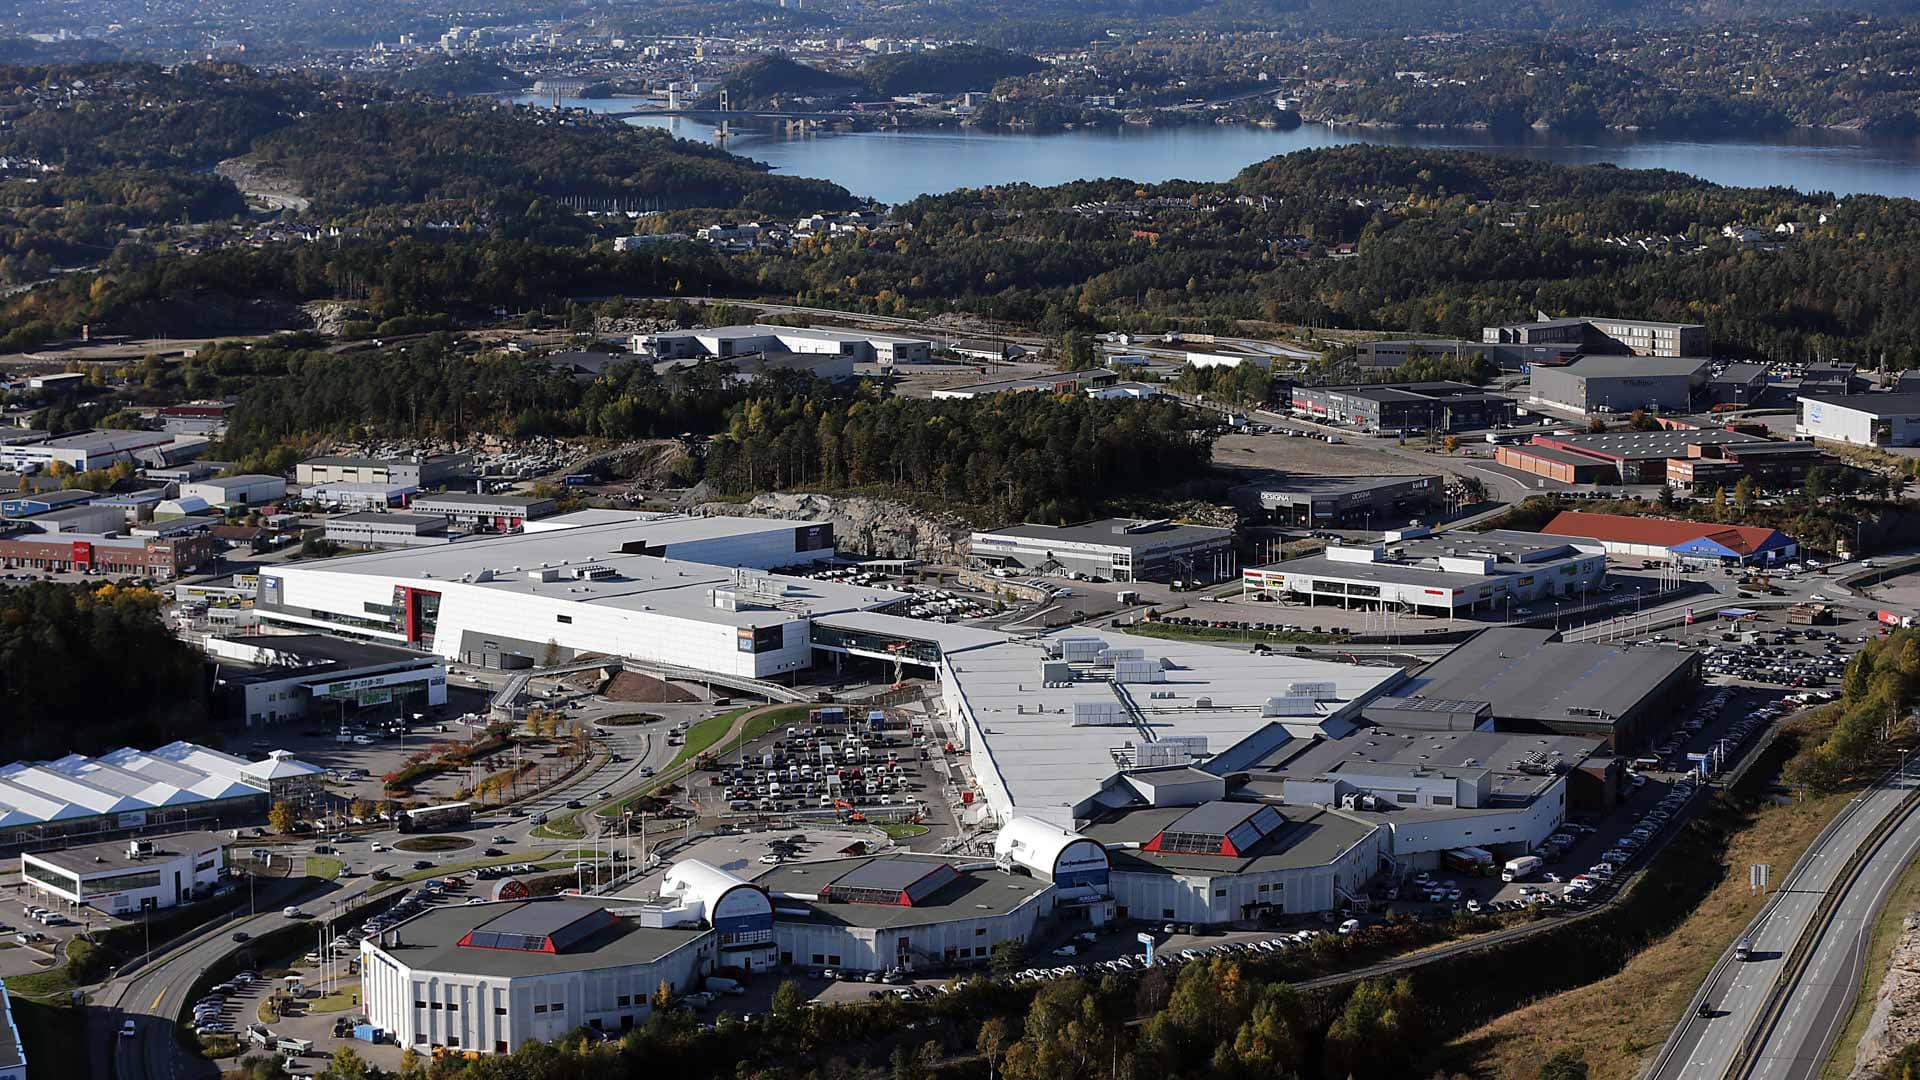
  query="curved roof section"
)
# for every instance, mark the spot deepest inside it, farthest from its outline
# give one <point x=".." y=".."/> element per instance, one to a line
<point x="696" y="880"/>
<point x="1036" y="844"/>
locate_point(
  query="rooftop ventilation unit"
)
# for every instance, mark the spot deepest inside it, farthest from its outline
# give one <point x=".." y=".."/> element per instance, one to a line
<point x="1295" y="705"/>
<point x="1109" y="656"/>
<point x="1318" y="691"/>
<point x="1139" y="671"/>
<point x="1081" y="650"/>
<point x="1099" y="714"/>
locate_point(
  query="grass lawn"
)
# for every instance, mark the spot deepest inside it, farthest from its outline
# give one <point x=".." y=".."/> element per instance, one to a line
<point x="1904" y="898"/>
<point x="432" y="843"/>
<point x="561" y="827"/>
<point x="705" y="733"/>
<point x="324" y="867"/>
<point x="1214" y="633"/>
<point x="903" y="830"/>
<point x="1621" y="1020"/>
<point x="340" y="1000"/>
<point x="627" y="719"/>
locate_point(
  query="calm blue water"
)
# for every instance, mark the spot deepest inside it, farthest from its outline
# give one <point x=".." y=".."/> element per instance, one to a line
<point x="896" y="166"/>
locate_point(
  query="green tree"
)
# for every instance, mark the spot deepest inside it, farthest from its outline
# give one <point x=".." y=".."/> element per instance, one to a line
<point x="346" y="1065"/>
<point x="992" y="1041"/>
<point x="281" y="817"/>
<point x="1743" y="495"/>
<point x="1077" y="351"/>
<point x="789" y="1000"/>
<point x="1567" y="1063"/>
<point x="1008" y="957"/>
<point x="1666" y="497"/>
<point x="1376" y="1033"/>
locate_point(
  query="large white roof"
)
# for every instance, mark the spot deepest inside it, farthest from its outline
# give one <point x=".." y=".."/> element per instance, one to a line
<point x="129" y="780"/>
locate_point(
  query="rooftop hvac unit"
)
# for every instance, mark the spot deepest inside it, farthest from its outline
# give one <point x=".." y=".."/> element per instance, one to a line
<point x="1318" y="691"/>
<point x="1203" y="703"/>
<point x="1114" y="656"/>
<point x="1081" y="650"/>
<point x="544" y="573"/>
<point x="1055" y="671"/>
<point x="1293" y="705"/>
<point x="1099" y="714"/>
<point x="1139" y="671"/>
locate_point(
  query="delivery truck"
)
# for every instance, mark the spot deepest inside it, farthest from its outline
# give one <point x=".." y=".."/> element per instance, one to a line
<point x="1522" y="868"/>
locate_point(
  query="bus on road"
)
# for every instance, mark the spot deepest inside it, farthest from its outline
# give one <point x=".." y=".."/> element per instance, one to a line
<point x="436" y="818"/>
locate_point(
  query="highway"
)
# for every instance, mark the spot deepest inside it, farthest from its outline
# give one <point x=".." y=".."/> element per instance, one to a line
<point x="1736" y="994"/>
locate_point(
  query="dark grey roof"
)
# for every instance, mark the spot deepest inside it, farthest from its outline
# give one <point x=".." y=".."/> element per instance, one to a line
<point x="1741" y="373"/>
<point x="87" y="859"/>
<point x="891" y="875"/>
<point x="1878" y="404"/>
<point x="1608" y="367"/>
<point x="324" y="649"/>
<point x="414" y="521"/>
<point x="1528" y="675"/>
<point x="1653" y="444"/>
<point x="1214" y="818"/>
<point x="431" y="941"/>
<point x="1107" y="532"/>
<point x="1311" y="836"/>
<point x="973" y="894"/>
<point x="1383" y="749"/>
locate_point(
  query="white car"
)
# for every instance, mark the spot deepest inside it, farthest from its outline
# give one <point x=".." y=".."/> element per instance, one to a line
<point x="293" y="913"/>
<point x="127" y="1030"/>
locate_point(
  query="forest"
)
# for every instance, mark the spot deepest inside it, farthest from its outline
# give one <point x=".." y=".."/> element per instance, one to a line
<point x="66" y="686"/>
<point x="950" y="70"/>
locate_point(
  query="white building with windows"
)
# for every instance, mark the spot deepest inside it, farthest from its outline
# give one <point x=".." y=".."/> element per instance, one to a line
<point x="123" y="876"/>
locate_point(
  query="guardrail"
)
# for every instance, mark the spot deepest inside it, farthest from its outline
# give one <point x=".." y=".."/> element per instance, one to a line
<point x="1797" y="959"/>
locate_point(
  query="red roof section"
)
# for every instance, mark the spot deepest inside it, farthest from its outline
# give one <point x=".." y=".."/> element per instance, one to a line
<point x="1656" y="532"/>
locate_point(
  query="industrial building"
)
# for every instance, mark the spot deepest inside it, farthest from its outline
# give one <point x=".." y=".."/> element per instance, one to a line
<point x="45" y="804"/>
<point x="1645" y="457"/>
<point x="1861" y="419"/>
<point x="1620" y="384"/>
<point x="13" y="1060"/>
<point x="26" y="505"/>
<point x="1113" y="549"/>
<point x="384" y="530"/>
<point x="120" y="877"/>
<point x="1531" y="680"/>
<point x="99" y="450"/>
<point x="1361" y="501"/>
<point x="492" y="977"/>
<point x="490" y="513"/>
<point x="209" y="418"/>
<point x="1604" y="333"/>
<point x="86" y="518"/>
<point x="160" y="558"/>
<point x="1830" y="379"/>
<point x="1738" y="384"/>
<point x="1445" y="575"/>
<point x="740" y="342"/>
<point x="418" y="471"/>
<point x="1684" y="543"/>
<point x="274" y="678"/>
<point x="1411" y="407"/>
<point x="678" y="590"/>
<point x="905" y="910"/>
<point x="1089" y="380"/>
<point x="359" y="497"/>
<point x="228" y="491"/>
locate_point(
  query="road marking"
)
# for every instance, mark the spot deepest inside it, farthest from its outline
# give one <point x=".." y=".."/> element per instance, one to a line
<point x="157" y="998"/>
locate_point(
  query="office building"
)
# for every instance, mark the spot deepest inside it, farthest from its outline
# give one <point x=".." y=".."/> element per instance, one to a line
<point x="1361" y="501"/>
<point x="1830" y="378"/>
<point x="1113" y="549"/>
<point x="275" y="678"/>
<point x="122" y="877"/>
<point x="1861" y="419"/>
<point x="418" y="471"/>
<point x="1605" y="334"/>
<point x="384" y="530"/>
<point x="1738" y="384"/>
<point x="158" y="557"/>
<point x="488" y="513"/>
<point x="1684" y="543"/>
<point x="1619" y="384"/>
<point x="359" y="497"/>
<point x="1447" y="575"/>
<point x="1411" y="407"/>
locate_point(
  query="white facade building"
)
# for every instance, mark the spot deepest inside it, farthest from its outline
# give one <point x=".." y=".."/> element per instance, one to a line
<point x="1861" y="419"/>
<point x="726" y="342"/>
<point x="125" y="876"/>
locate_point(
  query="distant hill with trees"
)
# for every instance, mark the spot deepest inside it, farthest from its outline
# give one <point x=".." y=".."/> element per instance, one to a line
<point x="952" y="70"/>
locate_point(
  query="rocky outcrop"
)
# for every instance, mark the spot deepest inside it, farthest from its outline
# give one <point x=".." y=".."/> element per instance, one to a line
<point x="1896" y="1020"/>
<point x="861" y="525"/>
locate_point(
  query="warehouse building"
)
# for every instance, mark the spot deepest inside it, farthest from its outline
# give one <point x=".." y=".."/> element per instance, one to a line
<point x="384" y="530"/>
<point x="682" y="590"/>
<point x="274" y="678"/>
<point x="1683" y="543"/>
<point x="1830" y="379"/>
<point x="492" y="977"/>
<point x="1861" y="419"/>
<point x="1362" y="501"/>
<point x="739" y="342"/>
<point x="1644" y="457"/>
<point x="121" y="877"/>
<point x="1738" y="384"/>
<point x="1412" y="407"/>
<point x="1620" y="384"/>
<point x="1112" y="549"/>
<point x="418" y="471"/>
<point x="488" y="513"/>
<point x="99" y="450"/>
<point x="48" y="804"/>
<point x="88" y="518"/>
<point x="246" y="490"/>
<point x="1605" y="334"/>
<point x="43" y="502"/>
<point x="1448" y="575"/>
<point x="903" y="910"/>
<point x="1533" y="681"/>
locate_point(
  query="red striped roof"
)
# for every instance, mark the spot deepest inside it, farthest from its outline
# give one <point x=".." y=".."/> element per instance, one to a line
<point x="1656" y="532"/>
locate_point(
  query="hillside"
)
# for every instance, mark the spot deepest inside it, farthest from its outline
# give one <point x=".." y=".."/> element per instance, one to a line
<point x="775" y="76"/>
<point x="952" y="70"/>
